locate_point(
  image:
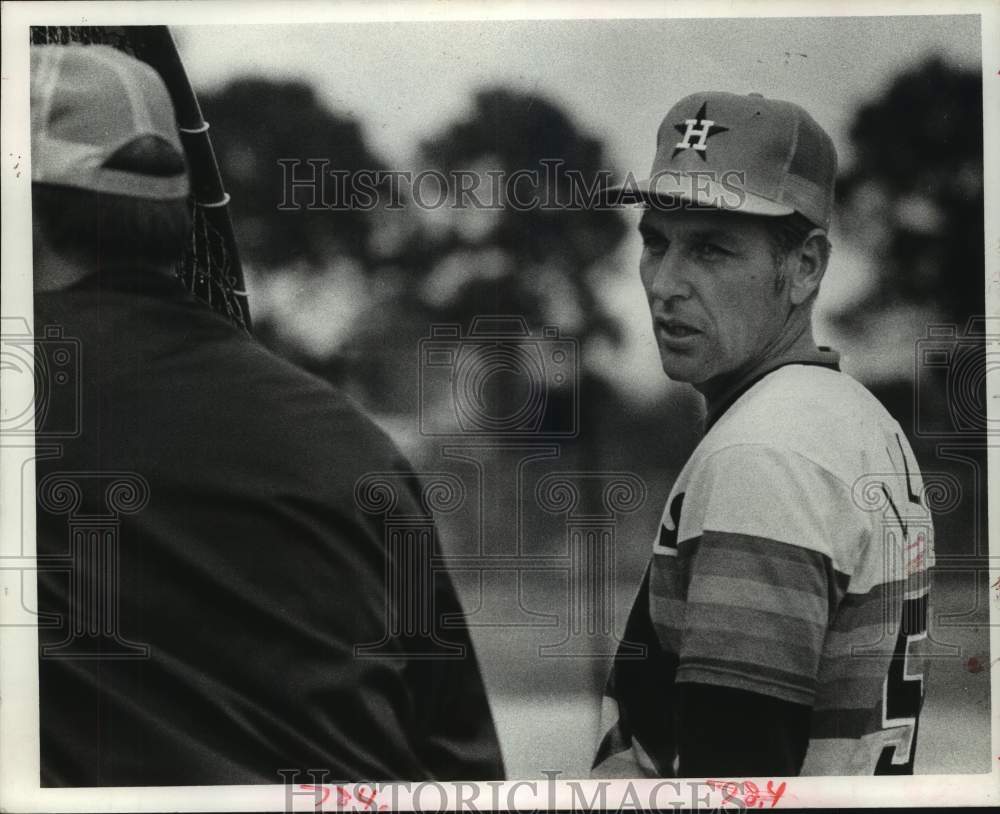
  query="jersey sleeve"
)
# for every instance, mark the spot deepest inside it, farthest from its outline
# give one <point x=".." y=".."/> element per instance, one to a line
<point x="768" y="536"/>
<point x="637" y="715"/>
<point x="771" y="740"/>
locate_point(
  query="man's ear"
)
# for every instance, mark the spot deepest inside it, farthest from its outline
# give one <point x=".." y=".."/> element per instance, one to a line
<point x="807" y="268"/>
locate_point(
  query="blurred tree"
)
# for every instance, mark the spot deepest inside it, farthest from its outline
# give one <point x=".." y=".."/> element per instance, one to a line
<point x="536" y="261"/>
<point x="914" y="194"/>
<point x="913" y="200"/>
<point x="482" y="253"/>
<point x="256" y="123"/>
<point x="516" y="236"/>
<point x="308" y="268"/>
<point x="350" y="292"/>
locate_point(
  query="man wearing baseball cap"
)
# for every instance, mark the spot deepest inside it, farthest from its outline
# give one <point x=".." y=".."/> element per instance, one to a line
<point x="784" y="608"/>
<point x="229" y="617"/>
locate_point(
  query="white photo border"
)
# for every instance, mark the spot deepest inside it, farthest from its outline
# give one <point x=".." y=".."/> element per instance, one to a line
<point x="19" y="737"/>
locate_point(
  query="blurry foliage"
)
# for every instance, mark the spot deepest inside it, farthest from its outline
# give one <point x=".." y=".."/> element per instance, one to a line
<point x="913" y="200"/>
<point x="542" y="265"/>
<point x="255" y="122"/>
<point x="541" y="255"/>
<point x="914" y="195"/>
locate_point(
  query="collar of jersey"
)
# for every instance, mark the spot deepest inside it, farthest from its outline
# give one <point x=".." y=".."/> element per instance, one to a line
<point x="821" y="357"/>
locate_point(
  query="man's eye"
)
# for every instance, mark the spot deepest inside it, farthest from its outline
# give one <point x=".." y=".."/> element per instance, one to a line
<point x="710" y="251"/>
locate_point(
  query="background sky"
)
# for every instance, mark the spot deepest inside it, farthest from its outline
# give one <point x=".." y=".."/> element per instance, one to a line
<point x="617" y="77"/>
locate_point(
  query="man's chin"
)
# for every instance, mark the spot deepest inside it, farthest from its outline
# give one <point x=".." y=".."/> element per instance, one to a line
<point x="684" y="369"/>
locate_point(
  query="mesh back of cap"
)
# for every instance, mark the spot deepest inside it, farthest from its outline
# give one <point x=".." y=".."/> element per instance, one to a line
<point x="209" y="266"/>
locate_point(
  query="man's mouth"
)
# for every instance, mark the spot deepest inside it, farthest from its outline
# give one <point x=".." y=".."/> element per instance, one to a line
<point x="675" y="329"/>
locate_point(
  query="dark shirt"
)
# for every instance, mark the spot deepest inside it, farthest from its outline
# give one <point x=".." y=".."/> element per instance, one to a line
<point x="244" y="579"/>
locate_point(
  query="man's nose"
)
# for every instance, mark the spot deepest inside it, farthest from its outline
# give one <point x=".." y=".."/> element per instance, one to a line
<point x="670" y="278"/>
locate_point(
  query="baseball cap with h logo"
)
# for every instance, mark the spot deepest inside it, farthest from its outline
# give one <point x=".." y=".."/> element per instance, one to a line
<point x="745" y="153"/>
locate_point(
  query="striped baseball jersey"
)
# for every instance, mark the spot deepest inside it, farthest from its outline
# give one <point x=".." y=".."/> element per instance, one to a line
<point x="791" y="561"/>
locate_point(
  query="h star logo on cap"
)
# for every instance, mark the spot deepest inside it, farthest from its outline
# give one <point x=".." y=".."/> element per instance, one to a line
<point x="700" y="129"/>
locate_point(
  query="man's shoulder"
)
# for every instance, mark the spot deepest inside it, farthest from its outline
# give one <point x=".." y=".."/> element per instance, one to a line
<point x="305" y="435"/>
<point x="298" y="411"/>
<point x="784" y="461"/>
<point x="810" y="412"/>
<point x="209" y="384"/>
<point x="810" y="395"/>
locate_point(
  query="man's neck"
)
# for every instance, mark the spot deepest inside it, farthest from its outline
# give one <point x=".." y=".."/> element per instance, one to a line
<point x="56" y="271"/>
<point x="794" y="344"/>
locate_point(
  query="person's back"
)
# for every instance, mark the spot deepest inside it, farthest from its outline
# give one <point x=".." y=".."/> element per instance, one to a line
<point x="209" y="636"/>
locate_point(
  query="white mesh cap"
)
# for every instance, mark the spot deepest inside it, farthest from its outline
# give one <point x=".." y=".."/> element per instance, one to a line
<point x="87" y="102"/>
